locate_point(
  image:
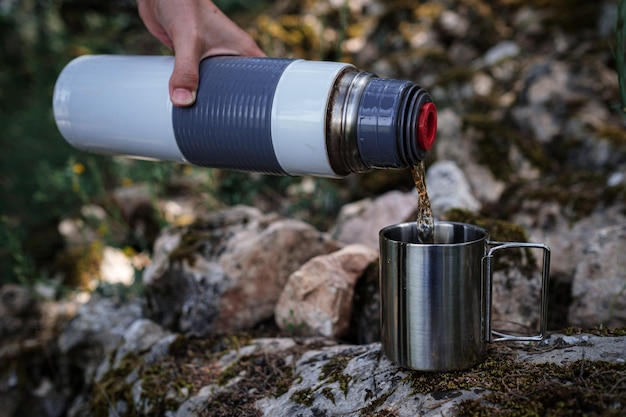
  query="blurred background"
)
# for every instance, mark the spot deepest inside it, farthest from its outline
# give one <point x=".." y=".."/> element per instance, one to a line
<point x="443" y="45"/>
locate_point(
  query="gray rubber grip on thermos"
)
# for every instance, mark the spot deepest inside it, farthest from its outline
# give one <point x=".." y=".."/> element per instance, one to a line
<point x="230" y="124"/>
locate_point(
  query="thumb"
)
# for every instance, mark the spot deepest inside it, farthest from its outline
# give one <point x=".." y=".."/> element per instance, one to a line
<point x="184" y="80"/>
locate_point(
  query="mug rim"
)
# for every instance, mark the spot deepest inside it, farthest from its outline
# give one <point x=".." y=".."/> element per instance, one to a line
<point x="387" y="229"/>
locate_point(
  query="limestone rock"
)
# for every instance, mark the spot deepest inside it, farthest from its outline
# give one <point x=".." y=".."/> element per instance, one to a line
<point x="501" y="51"/>
<point x="516" y="294"/>
<point x="318" y="297"/>
<point x="448" y="188"/>
<point x="454" y="144"/>
<point x="361" y="221"/>
<point x="550" y="223"/>
<point x="96" y="330"/>
<point x="226" y="273"/>
<point x="599" y="286"/>
<point x="322" y="378"/>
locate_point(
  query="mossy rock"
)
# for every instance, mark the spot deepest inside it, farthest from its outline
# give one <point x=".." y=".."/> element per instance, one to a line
<point x="580" y="193"/>
<point x="499" y="230"/>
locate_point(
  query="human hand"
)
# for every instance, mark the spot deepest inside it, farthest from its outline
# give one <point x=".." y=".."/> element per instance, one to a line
<point x="193" y="29"/>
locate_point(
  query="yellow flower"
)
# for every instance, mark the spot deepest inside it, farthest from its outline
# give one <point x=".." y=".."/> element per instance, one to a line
<point x="127" y="182"/>
<point x="78" y="168"/>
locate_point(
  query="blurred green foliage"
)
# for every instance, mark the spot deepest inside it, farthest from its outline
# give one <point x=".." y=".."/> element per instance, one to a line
<point x="39" y="176"/>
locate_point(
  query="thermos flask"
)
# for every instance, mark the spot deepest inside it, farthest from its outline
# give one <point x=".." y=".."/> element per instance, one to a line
<point x="268" y="115"/>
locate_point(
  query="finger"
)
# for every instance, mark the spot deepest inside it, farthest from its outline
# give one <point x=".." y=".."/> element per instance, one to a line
<point x="187" y="53"/>
<point x="184" y="80"/>
<point x="149" y="18"/>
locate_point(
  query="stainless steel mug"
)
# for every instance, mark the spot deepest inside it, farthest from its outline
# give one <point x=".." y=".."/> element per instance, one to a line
<point x="435" y="299"/>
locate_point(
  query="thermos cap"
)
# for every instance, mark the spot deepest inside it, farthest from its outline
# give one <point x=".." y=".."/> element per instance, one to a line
<point x="427" y="126"/>
<point x="396" y="123"/>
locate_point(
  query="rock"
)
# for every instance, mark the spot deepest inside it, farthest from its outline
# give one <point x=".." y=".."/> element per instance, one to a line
<point x="361" y="221"/>
<point x="316" y="376"/>
<point x="226" y="273"/>
<point x="454" y="23"/>
<point x="516" y="293"/>
<point x="77" y="232"/>
<point x="139" y="337"/>
<point x="20" y="312"/>
<point x="453" y="145"/>
<point x="448" y="188"/>
<point x="577" y="347"/>
<point x="550" y="223"/>
<point x="182" y="210"/>
<point x="599" y="284"/>
<point x="131" y="198"/>
<point x="116" y="267"/>
<point x="548" y="85"/>
<point x="318" y="297"/>
<point x="97" y="330"/>
<point x="144" y="343"/>
<point x="501" y="51"/>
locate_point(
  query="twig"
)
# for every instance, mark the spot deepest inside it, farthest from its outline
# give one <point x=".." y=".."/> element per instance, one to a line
<point x="616" y="385"/>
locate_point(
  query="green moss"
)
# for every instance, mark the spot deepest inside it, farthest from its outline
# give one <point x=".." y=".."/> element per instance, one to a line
<point x="494" y="141"/>
<point x="615" y="135"/>
<point x="328" y="393"/>
<point x="515" y="388"/>
<point x="112" y="389"/>
<point x="231" y="404"/>
<point x="499" y="231"/>
<point x="596" y="331"/>
<point x="379" y="181"/>
<point x="304" y="396"/>
<point x="370" y="409"/>
<point x="569" y="15"/>
<point x="165" y="383"/>
<point x="455" y="75"/>
<point x="580" y="193"/>
<point x="193" y="241"/>
<point x="262" y="375"/>
<point x="424" y="382"/>
<point x="187" y="248"/>
<point x="205" y="236"/>
<point x="229" y="373"/>
<point x="332" y="371"/>
<point x="527" y="389"/>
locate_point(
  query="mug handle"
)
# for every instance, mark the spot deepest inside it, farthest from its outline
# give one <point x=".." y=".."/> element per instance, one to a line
<point x="490" y="335"/>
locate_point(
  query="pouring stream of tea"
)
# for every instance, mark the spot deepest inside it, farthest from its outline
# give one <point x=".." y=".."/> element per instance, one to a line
<point x="425" y="222"/>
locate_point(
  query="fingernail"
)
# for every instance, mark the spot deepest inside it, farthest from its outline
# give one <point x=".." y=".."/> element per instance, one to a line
<point x="183" y="97"/>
